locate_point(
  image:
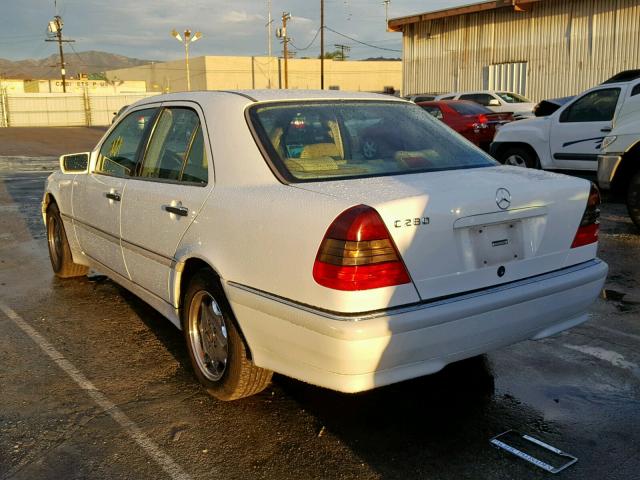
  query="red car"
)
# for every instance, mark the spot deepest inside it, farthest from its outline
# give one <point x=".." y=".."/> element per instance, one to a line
<point x="474" y="122"/>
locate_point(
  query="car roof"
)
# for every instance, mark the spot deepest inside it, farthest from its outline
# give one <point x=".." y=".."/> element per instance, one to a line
<point x="266" y="95"/>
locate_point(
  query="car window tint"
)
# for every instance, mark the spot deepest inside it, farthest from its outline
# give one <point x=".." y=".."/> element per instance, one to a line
<point x="172" y="137"/>
<point x="196" y="169"/>
<point x="469" y="108"/>
<point x="323" y="140"/>
<point x="451" y="97"/>
<point x="433" y="110"/>
<point x="481" y="98"/>
<point x="118" y="154"/>
<point x="511" y="97"/>
<point x="596" y="106"/>
<point x="636" y="90"/>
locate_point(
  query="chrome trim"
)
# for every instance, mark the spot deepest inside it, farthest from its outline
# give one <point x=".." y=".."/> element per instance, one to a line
<point x="437" y="302"/>
<point x="156" y="257"/>
<point x="96" y="231"/>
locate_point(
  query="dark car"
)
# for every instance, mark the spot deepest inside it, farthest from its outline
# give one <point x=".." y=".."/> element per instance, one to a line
<point x="476" y="123"/>
<point x="547" y="107"/>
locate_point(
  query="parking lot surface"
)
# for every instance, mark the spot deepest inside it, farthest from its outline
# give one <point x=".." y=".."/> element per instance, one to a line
<point x="579" y="391"/>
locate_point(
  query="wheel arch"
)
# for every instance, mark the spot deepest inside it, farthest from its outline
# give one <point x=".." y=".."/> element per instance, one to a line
<point x="183" y="275"/>
<point x="504" y="146"/>
<point x="626" y="170"/>
<point x="47" y="200"/>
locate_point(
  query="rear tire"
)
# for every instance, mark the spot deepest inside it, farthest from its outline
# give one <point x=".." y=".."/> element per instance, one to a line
<point x="59" y="250"/>
<point x="519" y="157"/>
<point x="633" y="199"/>
<point x="217" y="351"/>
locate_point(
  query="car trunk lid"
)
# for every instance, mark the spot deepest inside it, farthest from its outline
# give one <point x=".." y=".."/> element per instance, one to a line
<point x="463" y="230"/>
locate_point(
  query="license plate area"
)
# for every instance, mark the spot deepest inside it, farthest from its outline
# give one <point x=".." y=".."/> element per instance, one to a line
<point x="497" y="244"/>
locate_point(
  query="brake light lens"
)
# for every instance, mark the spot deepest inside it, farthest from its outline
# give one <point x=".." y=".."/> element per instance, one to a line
<point x="590" y="225"/>
<point x="358" y="253"/>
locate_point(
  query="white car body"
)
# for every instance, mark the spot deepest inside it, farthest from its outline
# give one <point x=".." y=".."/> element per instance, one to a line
<point x="560" y="144"/>
<point x="520" y="110"/>
<point x="261" y="237"/>
<point x="619" y="146"/>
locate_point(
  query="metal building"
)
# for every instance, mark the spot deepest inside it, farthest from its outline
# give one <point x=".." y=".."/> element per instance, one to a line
<point x="539" y="48"/>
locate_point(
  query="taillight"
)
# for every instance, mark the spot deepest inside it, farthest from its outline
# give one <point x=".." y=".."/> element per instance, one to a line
<point x="358" y="253"/>
<point x="590" y="225"/>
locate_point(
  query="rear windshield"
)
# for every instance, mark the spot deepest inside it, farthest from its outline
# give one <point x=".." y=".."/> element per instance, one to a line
<point x="469" y="108"/>
<point x="328" y="140"/>
<point x="511" y="97"/>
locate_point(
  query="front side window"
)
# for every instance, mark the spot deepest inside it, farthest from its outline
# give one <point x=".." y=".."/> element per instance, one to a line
<point x="510" y="97"/>
<point x="118" y="154"/>
<point x="176" y="148"/>
<point x="480" y="98"/>
<point x="596" y="106"/>
<point x="326" y="140"/>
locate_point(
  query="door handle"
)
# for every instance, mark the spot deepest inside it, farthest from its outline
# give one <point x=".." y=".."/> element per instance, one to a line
<point x="115" y="196"/>
<point x="606" y="130"/>
<point x="182" y="211"/>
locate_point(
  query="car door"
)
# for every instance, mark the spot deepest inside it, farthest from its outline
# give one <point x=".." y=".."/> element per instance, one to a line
<point x="577" y="130"/>
<point x="172" y="182"/>
<point x="97" y="196"/>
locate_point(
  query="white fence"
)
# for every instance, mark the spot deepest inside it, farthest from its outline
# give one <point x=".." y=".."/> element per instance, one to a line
<point x="61" y="109"/>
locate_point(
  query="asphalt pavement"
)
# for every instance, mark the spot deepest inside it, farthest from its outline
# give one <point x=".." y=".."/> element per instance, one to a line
<point x="96" y="384"/>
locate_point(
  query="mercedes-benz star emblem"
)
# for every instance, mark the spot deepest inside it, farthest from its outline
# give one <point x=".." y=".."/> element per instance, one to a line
<point x="503" y="198"/>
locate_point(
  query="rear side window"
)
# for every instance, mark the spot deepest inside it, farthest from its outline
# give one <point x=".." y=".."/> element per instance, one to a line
<point x="469" y="108"/>
<point x="596" y="106"/>
<point x="325" y="140"/>
<point x="480" y="98"/>
<point x="433" y="111"/>
<point x="118" y="153"/>
<point x="636" y="90"/>
<point x="176" y="149"/>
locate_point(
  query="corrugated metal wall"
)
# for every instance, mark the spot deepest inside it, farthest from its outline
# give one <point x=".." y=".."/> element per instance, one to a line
<point x="568" y="45"/>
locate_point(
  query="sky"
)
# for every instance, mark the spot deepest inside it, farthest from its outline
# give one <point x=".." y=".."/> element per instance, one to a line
<point x="141" y="28"/>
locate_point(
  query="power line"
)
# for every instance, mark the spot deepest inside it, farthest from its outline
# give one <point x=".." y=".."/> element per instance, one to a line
<point x="361" y="42"/>
<point x="310" y="43"/>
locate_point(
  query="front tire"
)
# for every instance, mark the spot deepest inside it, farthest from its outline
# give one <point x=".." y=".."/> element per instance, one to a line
<point x="217" y="351"/>
<point x="519" y="157"/>
<point x="633" y="199"/>
<point x="59" y="250"/>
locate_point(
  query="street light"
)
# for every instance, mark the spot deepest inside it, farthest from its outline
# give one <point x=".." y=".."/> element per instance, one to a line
<point x="188" y="38"/>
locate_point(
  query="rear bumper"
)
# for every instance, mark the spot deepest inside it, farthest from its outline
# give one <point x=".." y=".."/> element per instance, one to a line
<point x="355" y="353"/>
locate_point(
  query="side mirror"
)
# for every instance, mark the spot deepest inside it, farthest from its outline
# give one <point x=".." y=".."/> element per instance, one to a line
<point x="75" y="163"/>
<point x="494" y="102"/>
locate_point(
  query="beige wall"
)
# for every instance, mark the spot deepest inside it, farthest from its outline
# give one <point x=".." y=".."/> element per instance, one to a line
<point x="11" y="85"/>
<point x="220" y="73"/>
<point x="79" y="86"/>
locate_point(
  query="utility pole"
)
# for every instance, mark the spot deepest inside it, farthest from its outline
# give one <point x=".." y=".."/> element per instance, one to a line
<point x="55" y="30"/>
<point x="321" y="44"/>
<point x="186" y="41"/>
<point x="269" y="24"/>
<point x="386" y="12"/>
<point x="282" y="34"/>
<point x="344" y="49"/>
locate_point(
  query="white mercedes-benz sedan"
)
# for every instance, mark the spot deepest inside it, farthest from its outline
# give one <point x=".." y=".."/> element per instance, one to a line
<point x="255" y="223"/>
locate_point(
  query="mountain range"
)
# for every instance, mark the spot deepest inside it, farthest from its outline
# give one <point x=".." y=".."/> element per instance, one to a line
<point x="89" y="62"/>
